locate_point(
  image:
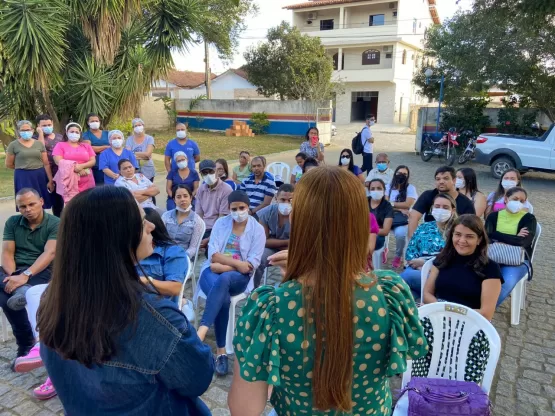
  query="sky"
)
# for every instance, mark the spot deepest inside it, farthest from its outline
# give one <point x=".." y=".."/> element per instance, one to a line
<point x="270" y="14"/>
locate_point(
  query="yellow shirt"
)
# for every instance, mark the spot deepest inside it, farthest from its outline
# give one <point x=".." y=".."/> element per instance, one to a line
<point x="507" y="222"/>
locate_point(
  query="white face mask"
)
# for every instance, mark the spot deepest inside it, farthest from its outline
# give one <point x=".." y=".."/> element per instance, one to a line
<point x="177" y="207"/>
<point x="376" y="195"/>
<point x="209" y="179"/>
<point x="183" y="164"/>
<point x="368" y="193"/>
<point x="180" y="134"/>
<point x="95" y="125"/>
<point x="284" y="208"/>
<point x="459" y="183"/>
<point x="508" y="184"/>
<point x="514" y="206"/>
<point x="240" y="216"/>
<point x="139" y="129"/>
<point x="345" y="161"/>
<point x="117" y="143"/>
<point x="441" y="215"/>
<point x="372" y="123"/>
<point x="73" y="137"/>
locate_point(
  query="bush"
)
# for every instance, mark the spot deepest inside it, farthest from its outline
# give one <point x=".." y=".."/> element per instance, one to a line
<point x="466" y="113"/>
<point x="119" y="124"/>
<point x="515" y="120"/>
<point x="259" y="123"/>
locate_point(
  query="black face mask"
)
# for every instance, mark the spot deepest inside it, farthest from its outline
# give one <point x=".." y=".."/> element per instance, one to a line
<point x="401" y="178"/>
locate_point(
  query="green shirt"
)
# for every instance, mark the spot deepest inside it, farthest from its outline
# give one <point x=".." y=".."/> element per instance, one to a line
<point x="270" y="343"/>
<point x="29" y="244"/>
<point x="29" y="158"/>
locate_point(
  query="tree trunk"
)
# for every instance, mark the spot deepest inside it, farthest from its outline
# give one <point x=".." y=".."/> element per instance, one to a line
<point x="51" y="110"/>
<point x="207" y="72"/>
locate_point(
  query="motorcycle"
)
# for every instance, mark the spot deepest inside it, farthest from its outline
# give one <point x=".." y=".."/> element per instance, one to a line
<point x="440" y="145"/>
<point x="470" y="151"/>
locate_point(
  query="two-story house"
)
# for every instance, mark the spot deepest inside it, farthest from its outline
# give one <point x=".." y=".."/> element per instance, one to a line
<point x="376" y="47"/>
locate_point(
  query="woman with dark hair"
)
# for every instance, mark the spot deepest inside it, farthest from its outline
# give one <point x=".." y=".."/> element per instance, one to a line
<point x="102" y="330"/>
<point x="514" y="226"/>
<point x="402" y="195"/>
<point x="462" y="272"/>
<point x="222" y="172"/>
<point x="496" y="200"/>
<point x="467" y="184"/>
<point x="346" y="161"/>
<point x="381" y="208"/>
<point x="297" y="171"/>
<point x="166" y="267"/>
<point x="331" y="334"/>
<point x="98" y="139"/>
<point x="310" y="163"/>
<point x="312" y="147"/>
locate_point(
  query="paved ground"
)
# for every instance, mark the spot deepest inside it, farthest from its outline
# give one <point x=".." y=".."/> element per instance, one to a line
<point x="524" y="383"/>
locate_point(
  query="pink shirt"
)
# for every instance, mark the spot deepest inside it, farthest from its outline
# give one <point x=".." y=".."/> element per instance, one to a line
<point x="210" y="204"/>
<point x="79" y="154"/>
<point x="374" y="227"/>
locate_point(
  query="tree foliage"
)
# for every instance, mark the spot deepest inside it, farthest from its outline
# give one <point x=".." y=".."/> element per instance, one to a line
<point x="290" y="65"/>
<point x="466" y="113"/>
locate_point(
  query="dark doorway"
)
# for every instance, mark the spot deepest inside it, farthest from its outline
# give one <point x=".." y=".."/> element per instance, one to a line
<point x="364" y="103"/>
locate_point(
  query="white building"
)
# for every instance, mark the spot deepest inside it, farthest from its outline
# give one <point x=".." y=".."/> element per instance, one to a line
<point x="376" y="47"/>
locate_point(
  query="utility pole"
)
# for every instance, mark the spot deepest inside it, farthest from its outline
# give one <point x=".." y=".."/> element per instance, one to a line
<point x="207" y="72"/>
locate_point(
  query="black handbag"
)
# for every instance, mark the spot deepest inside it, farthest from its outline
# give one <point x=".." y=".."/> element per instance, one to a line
<point x="399" y="219"/>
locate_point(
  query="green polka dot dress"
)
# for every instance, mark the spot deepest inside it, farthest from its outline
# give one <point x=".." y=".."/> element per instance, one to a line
<point x="270" y="344"/>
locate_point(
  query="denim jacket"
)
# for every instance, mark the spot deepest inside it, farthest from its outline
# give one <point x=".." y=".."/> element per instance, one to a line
<point x="161" y="368"/>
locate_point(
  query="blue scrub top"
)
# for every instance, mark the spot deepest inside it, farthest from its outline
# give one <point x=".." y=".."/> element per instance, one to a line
<point x="108" y="159"/>
<point x="190" y="148"/>
<point x="95" y="141"/>
<point x="177" y="180"/>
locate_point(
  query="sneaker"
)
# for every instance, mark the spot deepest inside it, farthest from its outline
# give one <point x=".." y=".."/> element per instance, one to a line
<point x="17" y="300"/>
<point x="45" y="391"/>
<point x="29" y="362"/>
<point x="22" y="352"/>
<point x="222" y="365"/>
<point x="396" y="262"/>
<point x="188" y="310"/>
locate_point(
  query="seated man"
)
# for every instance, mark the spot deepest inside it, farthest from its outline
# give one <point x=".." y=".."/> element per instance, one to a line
<point x="211" y="200"/>
<point x="275" y="220"/>
<point x="259" y="186"/>
<point x="382" y="170"/>
<point x="28" y="249"/>
<point x="142" y="188"/>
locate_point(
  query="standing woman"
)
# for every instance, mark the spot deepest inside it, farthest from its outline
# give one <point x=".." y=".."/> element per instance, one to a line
<point x="29" y="159"/>
<point x="467" y="184"/>
<point x="312" y="146"/>
<point x="102" y="330"/>
<point x="98" y="139"/>
<point x="243" y="171"/>
<point x="110" y="158"/>
<point x="183" y="175"/>
<point x="142" y="145"/>
<point x="346" y="161"/>
<point x="222" y="172"/>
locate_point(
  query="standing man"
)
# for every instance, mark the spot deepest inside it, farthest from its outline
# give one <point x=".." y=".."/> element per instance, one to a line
<point x="259" y="186"/>
<point x="181" y="143"/>
<point x="28" y="249"/>
<point x="367" y="144"/>
<point x="276" y="223"/>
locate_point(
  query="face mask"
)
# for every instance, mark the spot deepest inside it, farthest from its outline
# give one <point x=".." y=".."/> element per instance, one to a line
<point x="47" y="129"/>
<point x="345" y="161"/>
<point x="508" y="184"/>
<point x="210" y="179"/>
<point x="240" y="216"/>
<point x="26" y="135"/>
<point x="117" y="143"/>
<point x="441" y="215"/>
<point x="372" y="123"/>
<point x="514" y="206"/>
<point x="183" y="209"/>
<point x="459" y="183"/>
<point x="401" y="178"/>
<point x="181" y="134"/>
<point x="139" y="129"/>
<point x="95" y="125"/>
<point x="368" y="193"/>
<point x="183" y="164"/>
<point x="381" y="166"/>
<point x="376" y="195"/>
<point x="73" y="137"/>
<point x="284" y="208"/>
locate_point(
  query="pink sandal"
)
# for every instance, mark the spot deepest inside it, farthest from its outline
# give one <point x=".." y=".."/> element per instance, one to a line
<point x="45" y="391"/>
<point x="30" y="361"/>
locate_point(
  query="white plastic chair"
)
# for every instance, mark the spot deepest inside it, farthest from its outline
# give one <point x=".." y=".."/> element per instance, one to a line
<point x="278" y="168"/>
<point x="424" y="274"/>
<point x="231" y="321"/>
<point x="189" y="272"/>
<point x="456" y="340"/>
<point x="377" y="256"/>
<point x="5" y="336"/>
<point x="193" y="274"/>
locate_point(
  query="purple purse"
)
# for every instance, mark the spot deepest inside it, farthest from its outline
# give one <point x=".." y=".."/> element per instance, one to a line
<point x="440" y="397"/>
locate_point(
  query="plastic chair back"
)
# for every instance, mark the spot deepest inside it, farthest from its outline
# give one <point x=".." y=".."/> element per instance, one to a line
<point x="189" y="271"/>
<point x="424" y="276"/>
<point x="193" y="274"/>
<point x="535" y="243"/>
<point x="280" y="170"/>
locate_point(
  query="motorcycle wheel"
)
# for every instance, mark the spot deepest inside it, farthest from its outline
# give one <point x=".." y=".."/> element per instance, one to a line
<point x="451" y="158"/>
<point x="426" y="153"/>
<point x="465" y="157"/>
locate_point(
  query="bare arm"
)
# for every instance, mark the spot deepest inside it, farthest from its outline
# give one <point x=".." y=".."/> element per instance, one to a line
<point x="197" y="158"/>
<point x="44" y="260"/>
<point x="240" y="266"/>
<point x="246" y="398"/>
<point x="91" y="162"/>
<point x="145" y="155"/>
<point x="320" y="155"/>
<point x="46" y="164"/>
<point x="430" y="287"/>
<point x="10" y="161"/>
<point x="97" y="149"/>
<point x="372" y="242"/>
<point x="480" y="204"/>
<point x="8" y="256"/>
<point x="491" y="288"/>
<point x="414" y="218"/>
<point x="169" y="185"/>
<point x="361" y="177"/>
<point x="108" y="172"/>
<point x="196" y="184"/>
<point x="293" y="179"/>
<point x="152" y="190"/>
<point x="387" y="223"/>
<point x="267" y="201"/>
<point x="403" y="205"/>
<point x="166" y="288"/>
<point x="168" y="163"/>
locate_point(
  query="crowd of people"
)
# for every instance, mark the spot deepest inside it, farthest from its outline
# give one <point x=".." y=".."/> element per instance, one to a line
<point x="97" y="336"/>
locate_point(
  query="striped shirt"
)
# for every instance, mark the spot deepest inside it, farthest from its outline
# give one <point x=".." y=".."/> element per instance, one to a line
<point x="257" y="191"/>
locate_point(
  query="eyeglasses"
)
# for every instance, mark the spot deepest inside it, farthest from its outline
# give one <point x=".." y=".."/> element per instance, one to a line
<point x="346" y="156"/>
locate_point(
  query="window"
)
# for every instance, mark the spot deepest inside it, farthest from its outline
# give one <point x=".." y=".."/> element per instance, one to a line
<point x="394" y="14"/>
<point x="388" y="56"/>
<point x="377" y="20"/>
<point x="404" y="59"/>
<point x="326" y="24"/>
<point x="335" y="61"/>
<point x="371" y="57"/>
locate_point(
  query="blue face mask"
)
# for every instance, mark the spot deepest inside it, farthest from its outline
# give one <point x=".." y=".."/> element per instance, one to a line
<point x="48" y="129"/>
<point x="26" y="135"/>
<point x="381" y="166"/>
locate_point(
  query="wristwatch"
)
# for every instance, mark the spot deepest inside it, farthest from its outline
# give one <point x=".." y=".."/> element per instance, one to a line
<point x="28" y="273"/>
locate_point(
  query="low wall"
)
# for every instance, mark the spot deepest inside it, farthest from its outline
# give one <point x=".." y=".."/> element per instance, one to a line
<point x="154" y="115"/>
<point x="286" y="117"/>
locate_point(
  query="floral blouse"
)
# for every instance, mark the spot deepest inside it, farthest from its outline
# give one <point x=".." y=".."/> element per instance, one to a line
<point x="427" y="241"/>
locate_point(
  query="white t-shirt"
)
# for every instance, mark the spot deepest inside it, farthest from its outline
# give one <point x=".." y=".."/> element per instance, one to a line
<point x="297" y="172"/>
<point x="411" y="193"/>
<point x="365" y="136"/>
<point x="143" y="183"/>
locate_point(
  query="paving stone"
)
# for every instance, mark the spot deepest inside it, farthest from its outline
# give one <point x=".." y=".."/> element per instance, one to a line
<point x="26" y="409"/>
<point x="538" y="376"/>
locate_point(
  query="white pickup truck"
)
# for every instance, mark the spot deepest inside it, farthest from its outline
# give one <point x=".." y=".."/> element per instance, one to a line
<point x="505" y="151"/>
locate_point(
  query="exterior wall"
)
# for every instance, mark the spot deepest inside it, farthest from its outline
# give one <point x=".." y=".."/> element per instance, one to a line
<point x="153" y="114"/>
<point x="228" y="86"/>
<point x="386" y="101"/>
<point x="300" y="20"/>
<point x="408" y="11"/>
<point x="359" y="16"/>
<point x="353" y="59"/>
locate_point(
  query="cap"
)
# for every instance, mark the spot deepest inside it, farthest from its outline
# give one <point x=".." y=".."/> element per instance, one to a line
<point x="238" y="196"/>
<point x="206" y="164"/>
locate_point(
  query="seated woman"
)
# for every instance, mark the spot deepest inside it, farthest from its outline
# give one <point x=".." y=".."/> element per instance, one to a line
<point x="183" y="224"/>
<point x="362" y="331"/>
<point x="140" y="186"/>
<point x="467" y="184"/>
<point x="166" y="267"/>
<point x="243" y="170"/>
<point x="381" y="208"/>
<point x="347" y="162"/>
<point x="516" y="227"/>
<point x="181" y="176"/>
<point x="496" y="200"/>
<point x="428" y="240"/>
<point x="297" y="171"/>
<point x="222" y="172"/>
<point x="462" y="272"/>
<point x="234" y="252"/>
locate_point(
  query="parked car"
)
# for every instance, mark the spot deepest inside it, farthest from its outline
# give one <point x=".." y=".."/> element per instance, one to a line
<point x="525" y="153"/>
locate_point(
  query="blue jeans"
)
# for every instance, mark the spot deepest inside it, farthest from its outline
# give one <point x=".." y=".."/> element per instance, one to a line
<point x="412" y="278"/>
<point x="218" y="289"/>
<point x="511" y="275"/>
<point x="400" y="239"/>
